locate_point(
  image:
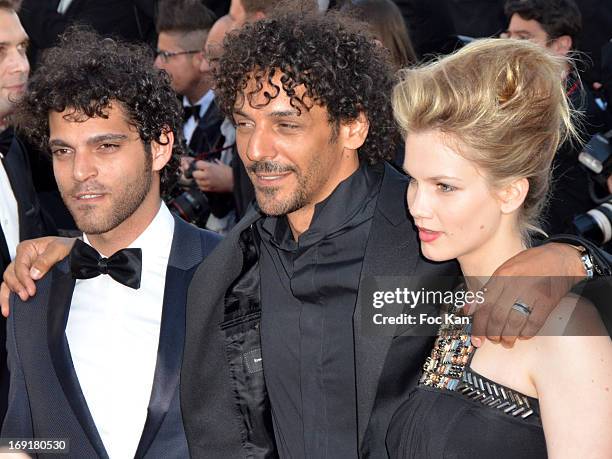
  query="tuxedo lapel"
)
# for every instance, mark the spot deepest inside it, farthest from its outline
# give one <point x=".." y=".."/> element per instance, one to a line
<point x="185" y="255"/>
<point x="389" y="252"/>
<point x="207" y="135"/>
<point x="60" y="297"/>
<point x="5" y="258"/>
<point x="18" y="171"/>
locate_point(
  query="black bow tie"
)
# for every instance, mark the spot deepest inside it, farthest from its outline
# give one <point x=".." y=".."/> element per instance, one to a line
<point x="191" y="110"/>
<point x="124" y="266"/>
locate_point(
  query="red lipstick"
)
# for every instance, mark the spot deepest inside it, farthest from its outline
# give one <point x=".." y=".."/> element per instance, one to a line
<point x="426" y="235"/>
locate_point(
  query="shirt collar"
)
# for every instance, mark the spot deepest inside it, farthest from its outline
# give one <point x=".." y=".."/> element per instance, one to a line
<point x="342" y="209"/>
<point x="204" y="102"/>
<point x="6" y="137"/>
<point x="157" y="237"/>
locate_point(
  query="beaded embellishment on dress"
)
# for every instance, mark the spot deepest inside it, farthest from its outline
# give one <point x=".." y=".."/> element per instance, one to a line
<point x="494" y="395"/>
<point x="451" y="353"/>
<point x="447" y="367"/>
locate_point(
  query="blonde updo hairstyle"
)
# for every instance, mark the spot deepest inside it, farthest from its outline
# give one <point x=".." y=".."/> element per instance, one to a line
<point x="502" y="104"/>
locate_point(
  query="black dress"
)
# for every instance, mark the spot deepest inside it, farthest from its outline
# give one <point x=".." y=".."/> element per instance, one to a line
<point x="456" y="413"/>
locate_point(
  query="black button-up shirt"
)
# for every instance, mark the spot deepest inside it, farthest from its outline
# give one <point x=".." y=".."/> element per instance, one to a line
<point x="309" y="291"/>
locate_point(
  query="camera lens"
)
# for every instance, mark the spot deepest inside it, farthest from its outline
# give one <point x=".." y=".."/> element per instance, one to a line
<point x="191" y="206"/>
<point x="596" y="224"/>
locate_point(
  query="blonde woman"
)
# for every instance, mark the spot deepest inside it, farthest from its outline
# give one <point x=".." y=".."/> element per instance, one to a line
<point x="482" y="127"/>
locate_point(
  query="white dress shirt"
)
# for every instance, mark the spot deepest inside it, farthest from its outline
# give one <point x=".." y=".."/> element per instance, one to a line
<point x="191" y="123"/>
<point x="113" y="335"/>
<point x="9" y="214"/>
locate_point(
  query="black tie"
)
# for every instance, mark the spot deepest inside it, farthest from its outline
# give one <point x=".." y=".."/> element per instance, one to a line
<point x="191" y="110"/>
<point x="124" y="266"/>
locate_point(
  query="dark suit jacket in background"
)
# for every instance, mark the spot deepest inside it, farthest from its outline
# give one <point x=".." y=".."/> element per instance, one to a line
<point x="32" y="223"/>
<point x="207" y="136"/>
<point x="208" y="139"/>
<point x="219" y="7"/>
<point x="131" y="20"/>
<point x="45" y="399"/>
<point x="430" y="24"/>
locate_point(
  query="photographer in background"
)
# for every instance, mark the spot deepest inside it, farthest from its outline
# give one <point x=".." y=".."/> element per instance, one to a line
<point x="556" y="25"/>
<point x="183" y="27"/>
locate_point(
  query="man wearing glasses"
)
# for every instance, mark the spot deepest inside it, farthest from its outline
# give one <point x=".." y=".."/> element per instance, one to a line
<point x="183" y="27"/>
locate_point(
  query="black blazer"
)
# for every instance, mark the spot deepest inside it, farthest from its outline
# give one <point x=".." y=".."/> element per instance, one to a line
<point x="207" y="138"/>
<point x="386" y="367"/>
<point x="131" y="20"/>
<point x="45" y="399"/>
<point x="32" y="224"/>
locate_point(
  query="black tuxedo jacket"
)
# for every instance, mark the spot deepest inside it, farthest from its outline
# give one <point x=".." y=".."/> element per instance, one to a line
<point x="386" y="367"/>
<point x="32" y="224"/>
<point x="132" y="20"/>
<point x="45" y="399"/>
<point x="207" y="135"/>
<point x="207" y="138"/>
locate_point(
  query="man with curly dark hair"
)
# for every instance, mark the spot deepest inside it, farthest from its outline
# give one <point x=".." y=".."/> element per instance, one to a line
<point x="100" y="345"/>
<point x="310" y="97"/>
<point x="150" y="102"/>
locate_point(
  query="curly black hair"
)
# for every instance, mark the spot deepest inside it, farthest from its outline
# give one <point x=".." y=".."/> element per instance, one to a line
<point x="341" y="69"/>
<point x="87" y="73"/>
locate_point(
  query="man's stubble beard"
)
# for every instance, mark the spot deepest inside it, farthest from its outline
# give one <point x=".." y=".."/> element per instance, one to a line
<point x="122" y="206"/>
<point x="307" y="184"/>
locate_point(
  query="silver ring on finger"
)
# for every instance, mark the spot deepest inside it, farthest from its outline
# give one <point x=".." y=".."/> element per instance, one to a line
<point x="521" y="308"/>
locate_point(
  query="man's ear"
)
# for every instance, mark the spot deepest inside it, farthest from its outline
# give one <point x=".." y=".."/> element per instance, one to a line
<point x="512" y="196"/>
<point x="257" y="16"/>
<point x="562" y="45"/>
<point x="353" y="133"/>
<point x="161" y="150"/>
<point x="197" y="59"/>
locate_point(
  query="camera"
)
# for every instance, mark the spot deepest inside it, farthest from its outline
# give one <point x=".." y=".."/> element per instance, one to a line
<point x="597" y="157"/>
<point x="191" y="205"/>
<point x="194" y="205"/>
<point x="596" y="224"/>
